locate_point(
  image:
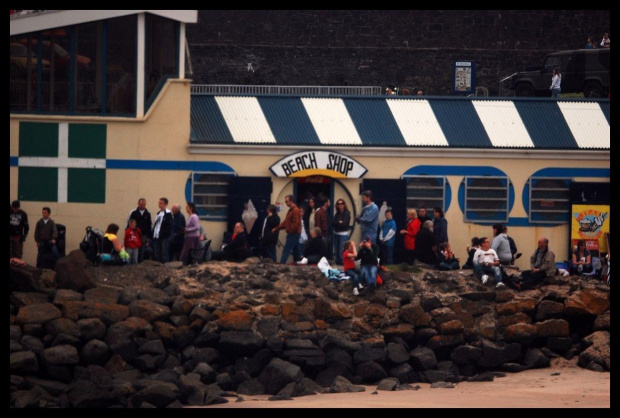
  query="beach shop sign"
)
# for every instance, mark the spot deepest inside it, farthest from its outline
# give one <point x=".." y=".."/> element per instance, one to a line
<point x="325" y="163"/>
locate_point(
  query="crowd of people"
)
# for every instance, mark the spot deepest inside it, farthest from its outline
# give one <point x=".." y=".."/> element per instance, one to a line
<point x="605" y="42"/>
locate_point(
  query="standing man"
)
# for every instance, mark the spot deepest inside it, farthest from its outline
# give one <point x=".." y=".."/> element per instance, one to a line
<point x="486" y="261"/>
<point x="369" y="217"/>
<point x="320" y="218"/>
<point x="422" y="215"/>
<point x="440" y="226"/>
<point x="269" y="239"/>
<point x="45" y="234"/>
<point x="162" y="231"/>
<point x="143" y="219"/>
<point x="178" y="233"/>
<point x="18" y="229"/>
<point x="292" y="224"/>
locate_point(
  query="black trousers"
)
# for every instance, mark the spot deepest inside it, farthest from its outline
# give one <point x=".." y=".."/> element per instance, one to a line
<point x="529" y="279"/>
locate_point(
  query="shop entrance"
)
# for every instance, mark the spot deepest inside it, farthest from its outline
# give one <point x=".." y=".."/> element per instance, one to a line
<point x="319" y="188"/>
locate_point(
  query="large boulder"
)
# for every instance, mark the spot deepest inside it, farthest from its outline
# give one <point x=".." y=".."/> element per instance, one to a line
<point x="414" y="314"/>
<point x="329" y="310"/>
<point x="278" y="374"/>
<point x="397" y="353"/>
<point x="155" y="295"/>
<point x="23" y="362"/>
<point x="102" y="295"/>
<point x="466" y="355"/>
<point x="28" y="298"/>
<point x="370" y="372"/>
<point x="37" y="313"/>
<point x="91" y="329"/>
<point x="61" y="355"/>
<point x="71" y="272"/>
<point x="342" y="385"/>
<point x="235" y="321"/>
<point x="534" y="358"/>
<point x="109" y="313"/>
<point x="148" y="310"/>
<point x="23" y="279"/>
<point x="552" y="328"/>
<point x="548" y="309"/>
<point x="423" y="358"/>
<point x="494" y="355"/>
<point x="62" y="326"/>
<point x="598" y="351"/>
<point x="158" y="395"/>
<point x="95" y="352"/>
<point x="241" y="343"/>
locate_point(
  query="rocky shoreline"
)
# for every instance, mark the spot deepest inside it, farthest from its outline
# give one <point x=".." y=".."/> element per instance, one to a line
<point x="158" y="335"/>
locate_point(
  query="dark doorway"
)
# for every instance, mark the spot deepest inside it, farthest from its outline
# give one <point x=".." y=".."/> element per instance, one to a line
<point x="320" y="188"/>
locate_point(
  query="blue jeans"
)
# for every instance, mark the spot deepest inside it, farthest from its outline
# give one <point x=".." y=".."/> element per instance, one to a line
<point x="494" y="270"/>
<point x="451" y="265"/>
<point x="47" y="255"/>
<point x="133" y="255"/>
<point x="387" y="255"/>
<point x="555" y="93"/>
<point x="270" y="251"/>
<point x="370" y="274"/>
<point x="161" y="248"/>
<point x="353" y="274"/>
<point x="339" y="241"/>
<point x="291" y="245"/>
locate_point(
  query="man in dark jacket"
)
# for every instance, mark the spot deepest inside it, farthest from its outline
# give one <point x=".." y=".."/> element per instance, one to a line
<point x="162" y="230"/>
<point x="425" y="245"/>
<point x="144" y="222"/>
<point x="235" y="247"/>
<point x="45" y="235"/>
<point x="18" y="229"/>
<point x="268" y="239"/>
<point x="368" y="256"/>
<point x="177" y="238"/>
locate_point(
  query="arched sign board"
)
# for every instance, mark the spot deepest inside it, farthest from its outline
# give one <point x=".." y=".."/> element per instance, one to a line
<point x="325" y="163"/>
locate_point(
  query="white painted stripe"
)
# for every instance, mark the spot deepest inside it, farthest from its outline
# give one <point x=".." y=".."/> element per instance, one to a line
<point x="140" y="64"/>
<point x="62" y="162"/>
<point x="63" y="181"/>
<point x="503" y="124"/>
<point x="587" y="123"/>
<point x="245" y="119"/>
<point x="417" y="122"/>
<point x="331" y="121"/>
<point x="63" y="139"/>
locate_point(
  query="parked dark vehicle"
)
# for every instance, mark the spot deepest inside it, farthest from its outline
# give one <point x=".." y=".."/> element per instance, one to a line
<point x="583" y="70"/>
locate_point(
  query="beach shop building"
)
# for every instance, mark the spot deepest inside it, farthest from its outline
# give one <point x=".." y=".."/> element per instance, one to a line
<point x="126" y="123"/>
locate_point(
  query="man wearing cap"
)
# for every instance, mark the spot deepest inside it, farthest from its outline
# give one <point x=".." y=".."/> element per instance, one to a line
<point x="369" y="218"/>
<point x="18" y="229"/>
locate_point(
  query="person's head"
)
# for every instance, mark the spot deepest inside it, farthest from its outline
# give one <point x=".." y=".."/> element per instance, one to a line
<point x="347" y="245"/>
<point x="289" y="201"/>
<point x="411" y="214"/>
<point x="581" y="245"/>
<point x="421" y="212"/>
<point x="239" y="228"/>
<point x="112" y="229"/>
<point x="406" y="92"/>
<point x="366" y="242"/>
<point x="316" y="232"/>
<point x="444" y="246"/>
<point x="366" y="196"/>
<point x="485" y="243"/>
<point x="497" y="229"/>
<point x="176" y="208"/>
<point x="388" y="214"/>
<point x="191" y="208"/>
<point x="420" y="93"/>
<point x="311" y="203"/>
<point x="271" y="210"/>
<point x="302" y="210"/>
<point x="475" y="242"/>
<point x="438" y="212"/>
<point x="543" y="243"/>
<point x="341" y="205"/>
<point x="327" y="203"/>
<point x="163" y="203"/>
<point x="590" y="40"/>
<point x="556" y="71"/>
<point x="428" y="225"/>
<point x="132" y="223"/>
<point x="15" y="206"/>
<point x="46" y="212"/>
<point x="606" y="35"/>
<point x="505" y="230"/>
<point x="142" y="203"/>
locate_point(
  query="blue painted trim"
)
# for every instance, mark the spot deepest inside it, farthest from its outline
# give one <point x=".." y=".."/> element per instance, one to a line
<point x="454" y="170"/>
<point x="169" y="165"/>
<point x="72" y="61"/>
<point x="13" y="161"/>
<point x="104" y="67"/>
<point x="39" y="69"/>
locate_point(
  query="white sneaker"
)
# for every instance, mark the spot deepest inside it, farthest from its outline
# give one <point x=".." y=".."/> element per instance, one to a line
<point x="500" y="284"/>
<point x="303" y="261"/>
<point x="360" y="286"/>
<point x="580" y="268"/>
<point x="355" y="291"/>
<point x="484" y="279"/>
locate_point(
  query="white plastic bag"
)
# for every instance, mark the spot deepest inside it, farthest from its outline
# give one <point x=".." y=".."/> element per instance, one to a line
<point x="323" y="265"/>
<point x="249" y="216"/>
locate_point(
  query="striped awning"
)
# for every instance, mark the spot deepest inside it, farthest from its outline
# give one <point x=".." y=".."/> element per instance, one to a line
<point x="378" y="121"/>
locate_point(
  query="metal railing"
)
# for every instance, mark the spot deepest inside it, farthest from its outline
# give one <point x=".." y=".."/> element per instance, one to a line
<point x="293" y="90"/>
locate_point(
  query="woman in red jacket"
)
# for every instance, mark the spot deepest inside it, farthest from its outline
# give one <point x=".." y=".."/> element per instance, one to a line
<point x="413" y="226"/>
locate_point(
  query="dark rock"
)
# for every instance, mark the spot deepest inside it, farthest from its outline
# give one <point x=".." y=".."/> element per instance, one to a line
<point x="147" y="362"/>
<point x="602" y="322"/>
<point x="407" y="387"/>
<point x="120" y="332"/>
<point x="548" y="353"/>
<point x="61" y="355"/>
<point x="333" y="341"/>
<point x="175" y="404"/>
<point x="423" y="335"/>
<point x="254" y="365"/>
<point x="108" y="295"/>
<point x="342" y="385"/>
<point x="35" y="330"/>
<point x="37" y="313"/>
<point x="369" y="354"/>
<point x="326" y="377"/>
<point x="433" y="376"/>
<point x="15" y="346"/>
<point x="84" y="394"/>
<point x="466" y="354"/>
<point x="251" y="387"/>
<point x="34" y="398"/>
<point x="277" y="374"/>
<point x="442" y="315"/>
<point x="66" y="295"/>
<point x="595" y="367"/>
<point x="370" y="372"/>
<point x="60" y="373"/>
<point x="189" y="384"/>
<point x="414" y="314"/>
<point x="482" y="377"/>
<point x="179" y="320"/>
<point x="16" y="332"/>
<point x="206" y="355"/>
<point x="404" y="373"/>
<point x="341" y="356"/>
<point x="423" y="358"/>
<point x="598" y="350"/>
<point x="548" y="309"/>
<point x="552" y="328"/>
<point x="23" y="362"/>
<point x="91" y="328"/>
<point x="62" y="326"/>
<point x="225" y="381"/>
<point x="150" y="311"/>
<point x="430" y="302"/>
<point x="214" y="396"/>
<point x="444" y="385"/>
<point x="275" y="344"/>
<point x="306" y="387"/>
<point x="66" y="339"/>
<point x="559" y="344"/>
<point x="168" y="375"/>
<point x="30" y="343"/>
<point x="155" y="295"/>
<point x="388" y="384"/>
<point x="71" y="272"/>
<point x="494" y="355"/>
<point x="95" y="352"/>
<point x="159" y="395"/>
<point x="152" y="347"/>
<point x="147" y="405"/>
<point x="328" y="310"/>
<point x="522" y="333"/>
<point x="241" y="343"/>
<point x="128" y="295"/>
<point x="183" y="336"/>
<point x="445" y="342"/>
<point x="513" y="367"/>
<point x="200" y="313"/>
<point x="20" y="299"/>
<point x="534" y="359"/>
<point x="478" y="296"/>
<point x="52" y="387"/>
<point x="23" y="278"/>
<point x="269" y="326"/>
<point x="109" y="313"/>
<point x="206" y="372"/>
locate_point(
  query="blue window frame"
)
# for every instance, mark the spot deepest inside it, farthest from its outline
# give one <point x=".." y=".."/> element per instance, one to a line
<point x="549" y="200"/>
<point x="209" y="191"/>
<point x="487" y="199"/>
<point x="426" y="191"/>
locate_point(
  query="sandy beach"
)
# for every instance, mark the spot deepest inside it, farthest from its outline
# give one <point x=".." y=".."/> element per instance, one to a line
<point x="574" y="387"/>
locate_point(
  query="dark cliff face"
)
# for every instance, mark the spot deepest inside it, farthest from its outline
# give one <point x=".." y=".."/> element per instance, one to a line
<point x="410" y="49"/>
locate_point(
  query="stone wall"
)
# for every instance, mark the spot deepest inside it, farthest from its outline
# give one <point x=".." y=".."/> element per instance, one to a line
<point x="413" y="49"/>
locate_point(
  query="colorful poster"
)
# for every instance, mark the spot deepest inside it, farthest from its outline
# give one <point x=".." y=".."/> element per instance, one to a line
<point x="591" y="223"/>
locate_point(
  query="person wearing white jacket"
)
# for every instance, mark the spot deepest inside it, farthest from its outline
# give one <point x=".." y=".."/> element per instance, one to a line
<point x="555" y="83"/>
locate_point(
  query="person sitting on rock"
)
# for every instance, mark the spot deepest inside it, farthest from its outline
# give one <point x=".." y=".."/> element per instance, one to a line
<point x="110" y="247"/>
<point x="447" y="260"/>
<point x="542" y="264"/>
<point x="582" y="259"/>
<point x="425" y="245"/>
<point x="348" y="257"/>
<point x="316" y="248"/>
<point x="486" y="262"/>
<point x="471" y="250"/>
<point x="235" y="247"/>
<point x="369" y="256"/>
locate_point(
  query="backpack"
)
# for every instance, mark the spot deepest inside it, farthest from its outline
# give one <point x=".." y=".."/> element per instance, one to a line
<point x="91" y="244"/>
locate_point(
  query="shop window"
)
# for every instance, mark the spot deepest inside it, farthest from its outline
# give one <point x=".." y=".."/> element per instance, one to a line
<point x="88" y="71"/>
<point x="426" y="191"/>
<point x="486" y="199"/>
<point x="121" y="65"/>
<point x="549" y="200"/>
<point x="162" y="44"/>
<point x="23" y="72"/>
<point x="55" y="47"/>
<point x="210" y="194"/>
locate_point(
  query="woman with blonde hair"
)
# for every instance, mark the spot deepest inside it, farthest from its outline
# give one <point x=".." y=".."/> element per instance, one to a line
<point x="413" y="226"/>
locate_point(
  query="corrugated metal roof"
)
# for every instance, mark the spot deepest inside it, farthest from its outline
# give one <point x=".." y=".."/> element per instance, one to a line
<point x="417" y="123"/>
<point x="380" y="121"/>
<point x="587" y="124"/>
<point x="460" y="123"/>
<point x="503" y="124"/>
<point x="245" y="119"/>
<point x="546" y="125"/>
<point x="331" y="121"/>
<point x="374" y="122"/>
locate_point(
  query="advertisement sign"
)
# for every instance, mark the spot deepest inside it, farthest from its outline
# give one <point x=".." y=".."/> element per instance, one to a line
<point x="464" y="77"/>
<point x="590" y="223"/>
<point x="325" y="163"/>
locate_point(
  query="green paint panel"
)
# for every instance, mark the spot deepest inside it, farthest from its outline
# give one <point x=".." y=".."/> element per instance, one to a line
<point x="38" y="139"/>
<point x="87" y="140"/>
<point x="86" y="185"/>
<point x="38" y="184"/>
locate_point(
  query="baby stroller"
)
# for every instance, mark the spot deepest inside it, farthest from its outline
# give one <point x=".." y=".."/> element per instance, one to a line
<point x="201" y="254"/>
